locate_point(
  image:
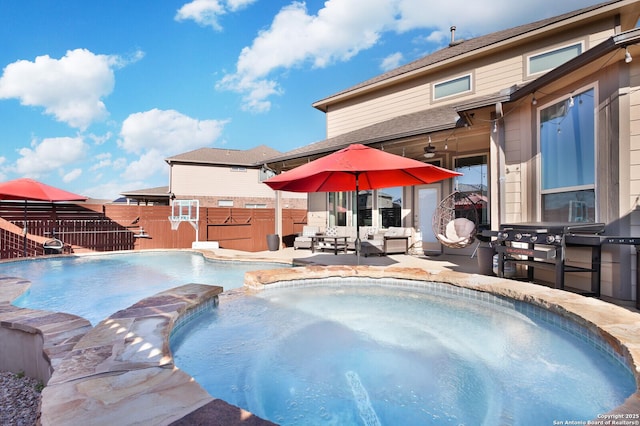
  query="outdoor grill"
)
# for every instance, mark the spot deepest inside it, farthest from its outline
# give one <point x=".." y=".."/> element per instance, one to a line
<point x="543" y="245"/>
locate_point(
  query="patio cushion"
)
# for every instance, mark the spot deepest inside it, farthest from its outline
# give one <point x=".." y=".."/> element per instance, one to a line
<point x="458" y="232"/>
<point x="310" y="231"/>
<point x="332" y="231"/>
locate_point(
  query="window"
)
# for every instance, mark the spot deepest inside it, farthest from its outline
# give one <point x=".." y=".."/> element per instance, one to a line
<point x="567" y="159"/>
<point x="225" y="203"/>
<point x="365" y="208"/>
<point x="337" y="209"/>
<point x="255" y="206"/>
<point x="239" y="169"/>
<point x="390" y="207"/>
<point x="452" y="87"/>
<point x="551" y="59"/>
<point x="474" y="184"/>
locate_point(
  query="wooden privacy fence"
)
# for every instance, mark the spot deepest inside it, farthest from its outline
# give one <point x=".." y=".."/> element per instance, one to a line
<point x="110" y="227"/>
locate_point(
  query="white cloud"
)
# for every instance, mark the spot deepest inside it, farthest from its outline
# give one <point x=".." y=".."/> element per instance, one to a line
<point x="157" y="134"/>
<point x="70" y="88"/>
<point x="72" y="175"/>
<point x="3" y="176"/>
<point x="392" y="61"/>
<point x="100" y="139"/>
<point x="338" y="32"/>
<point x="49" y="155"/>
<point x="102" y="161"/>
<point x="106" y="190"/>
<point x="167" y="132"/>
<point x="343" y="28"/>
<point x="149" y="164"/>
<point x="208" y="12"/>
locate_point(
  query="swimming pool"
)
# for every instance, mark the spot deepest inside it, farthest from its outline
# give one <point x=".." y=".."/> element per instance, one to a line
<point x="378" y="354"/>
<point x="95" y="286"/>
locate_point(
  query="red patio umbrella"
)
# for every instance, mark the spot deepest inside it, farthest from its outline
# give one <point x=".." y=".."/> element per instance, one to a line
<point x="358" y="167"/>
<point x="32" y="190"/>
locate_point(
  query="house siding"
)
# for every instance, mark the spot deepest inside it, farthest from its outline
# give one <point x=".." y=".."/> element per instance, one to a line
<point x="202" y="180"/>
<point x="490" y="75"/>
<point x="634" y="172"/>
<point x="374" y="108"/>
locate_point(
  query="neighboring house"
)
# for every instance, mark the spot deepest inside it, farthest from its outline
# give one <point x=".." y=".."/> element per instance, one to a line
<point x="220" y="177"/>
<point x="159" y="196"/>
<point x="543" y="119"/>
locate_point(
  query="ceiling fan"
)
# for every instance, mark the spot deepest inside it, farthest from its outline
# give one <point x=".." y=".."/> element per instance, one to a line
<point x="430" y="151"/>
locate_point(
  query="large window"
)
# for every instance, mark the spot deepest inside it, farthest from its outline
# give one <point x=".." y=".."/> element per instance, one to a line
<point x="567" y="159"/>
<point x="474" y="184"/>
<point x="551" y="59"/>
<point x="452" y="87"/>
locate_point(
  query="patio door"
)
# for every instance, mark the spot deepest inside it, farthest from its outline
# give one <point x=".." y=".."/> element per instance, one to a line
<point x="427" y="198"/>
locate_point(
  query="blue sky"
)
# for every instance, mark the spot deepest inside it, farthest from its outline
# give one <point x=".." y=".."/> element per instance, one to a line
<point x="94" y="95"/>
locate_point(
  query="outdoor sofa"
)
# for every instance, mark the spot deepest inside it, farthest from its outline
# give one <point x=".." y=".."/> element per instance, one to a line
<point x="393" y="240"/>
<point x="303" y="241"/>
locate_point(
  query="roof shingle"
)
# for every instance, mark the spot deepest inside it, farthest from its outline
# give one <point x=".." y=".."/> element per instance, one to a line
<point x="225" y="156"/>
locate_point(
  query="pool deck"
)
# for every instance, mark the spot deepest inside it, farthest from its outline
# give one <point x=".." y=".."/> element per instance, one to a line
<point x="122" y="371"/>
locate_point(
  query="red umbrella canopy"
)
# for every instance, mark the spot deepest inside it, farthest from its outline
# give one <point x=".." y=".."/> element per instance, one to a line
<point x="358" y="167"/>
<point x="32" y="190"/>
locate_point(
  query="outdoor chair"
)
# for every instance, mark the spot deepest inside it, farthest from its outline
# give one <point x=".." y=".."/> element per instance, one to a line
<point x="458" y="233"/>
<point x="303" y="240"/>
<point x="53" y="246"/>
<point x="394" y="240"/>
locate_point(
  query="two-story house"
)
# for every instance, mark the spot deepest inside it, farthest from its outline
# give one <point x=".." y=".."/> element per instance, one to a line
<point x="221" y="177"/>
<point x="542" y="119"/>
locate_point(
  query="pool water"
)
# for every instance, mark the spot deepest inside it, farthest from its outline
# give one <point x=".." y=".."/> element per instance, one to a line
<point x="96" y="286"/>
<point x="375" y="354"/>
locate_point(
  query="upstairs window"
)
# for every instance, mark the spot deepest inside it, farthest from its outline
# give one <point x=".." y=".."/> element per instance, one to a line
<point x="452" y="87"/>
<point x="551" y="59"/>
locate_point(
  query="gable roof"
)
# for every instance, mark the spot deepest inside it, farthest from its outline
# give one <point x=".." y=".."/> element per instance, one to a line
<point x="225" y="157"/>
<point x="461" y="49"/>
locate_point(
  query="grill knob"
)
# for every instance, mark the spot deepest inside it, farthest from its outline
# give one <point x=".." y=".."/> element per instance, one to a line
<point x="534" y="238"/>
<point x="518" y="237"/>
<point x="551" y="239"/>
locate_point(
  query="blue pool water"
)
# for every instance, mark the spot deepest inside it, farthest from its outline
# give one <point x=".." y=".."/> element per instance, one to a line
<point x="376" y="354"/>
<point x="97" y="286"/>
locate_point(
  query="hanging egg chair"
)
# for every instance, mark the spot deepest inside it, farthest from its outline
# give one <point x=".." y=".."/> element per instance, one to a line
<point x="455" y="221"/>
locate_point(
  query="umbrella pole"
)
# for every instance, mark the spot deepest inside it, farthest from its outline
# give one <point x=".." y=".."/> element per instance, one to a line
<point x="358" y="242"/>
<point x="24" y="232"/>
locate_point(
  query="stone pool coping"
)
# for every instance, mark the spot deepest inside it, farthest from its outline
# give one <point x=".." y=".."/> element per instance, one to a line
<point x="122" y="371"/>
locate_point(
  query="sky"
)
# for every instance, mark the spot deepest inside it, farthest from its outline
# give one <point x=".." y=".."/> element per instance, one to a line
<point x="95" y="95"/>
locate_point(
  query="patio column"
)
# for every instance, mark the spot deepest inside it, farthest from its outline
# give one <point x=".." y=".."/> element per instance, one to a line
<point x="278" y="213"/>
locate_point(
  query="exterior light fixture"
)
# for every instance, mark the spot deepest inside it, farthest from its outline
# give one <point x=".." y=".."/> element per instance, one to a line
<point x="429" y="150"/>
